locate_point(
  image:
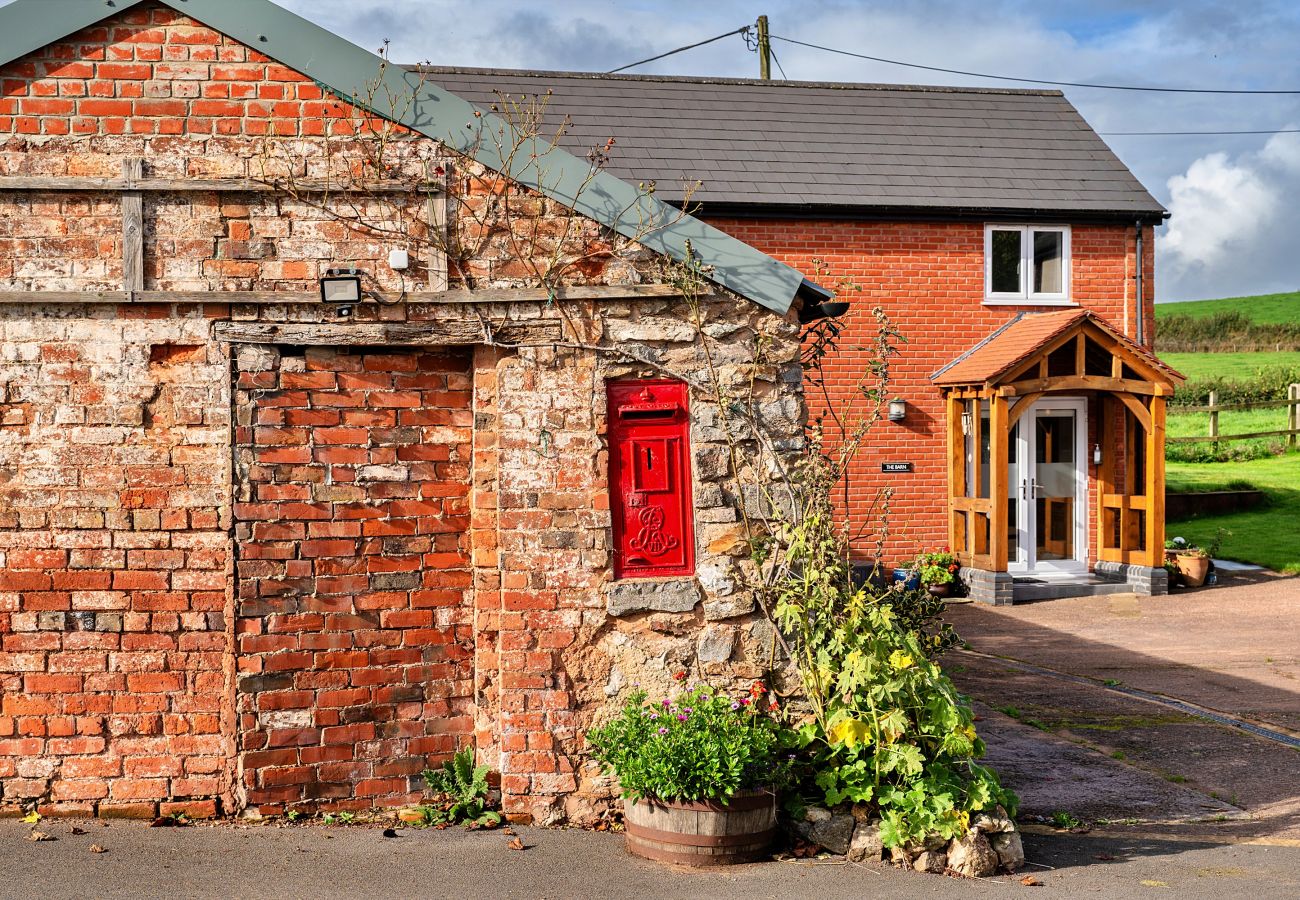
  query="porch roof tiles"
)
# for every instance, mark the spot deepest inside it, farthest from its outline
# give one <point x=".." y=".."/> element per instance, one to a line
<point x="1023" y="337"/>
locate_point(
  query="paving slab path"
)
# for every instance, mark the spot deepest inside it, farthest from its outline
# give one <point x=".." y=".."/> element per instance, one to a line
<point x="1085" y="746"/>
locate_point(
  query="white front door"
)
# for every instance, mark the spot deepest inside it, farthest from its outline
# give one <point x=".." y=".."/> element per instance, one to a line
<point x="1048" y="480"/>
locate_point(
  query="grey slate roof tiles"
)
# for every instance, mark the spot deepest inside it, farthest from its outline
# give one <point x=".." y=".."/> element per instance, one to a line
<point x="851" y="146"/>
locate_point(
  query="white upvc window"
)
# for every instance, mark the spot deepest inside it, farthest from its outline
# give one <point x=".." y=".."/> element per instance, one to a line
<point x="1027" y="264"/>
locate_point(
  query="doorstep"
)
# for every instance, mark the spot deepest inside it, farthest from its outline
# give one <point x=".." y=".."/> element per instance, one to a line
<point x="1027" y="588"/>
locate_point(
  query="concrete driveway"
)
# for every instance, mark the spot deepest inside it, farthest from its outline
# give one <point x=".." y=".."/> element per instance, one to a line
<point x="1132" y="709"/>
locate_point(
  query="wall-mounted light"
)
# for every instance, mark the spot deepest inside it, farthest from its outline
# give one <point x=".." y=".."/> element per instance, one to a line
<point x="342" y="289"/>
<point x="1096" y="454"/>
<point x="897" y="410"/>
<point x="966" y="422"/>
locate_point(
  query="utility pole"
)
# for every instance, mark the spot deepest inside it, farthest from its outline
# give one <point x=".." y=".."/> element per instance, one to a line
<point x="764" y="50"/>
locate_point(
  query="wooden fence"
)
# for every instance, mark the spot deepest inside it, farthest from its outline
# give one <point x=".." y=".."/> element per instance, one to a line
<point x="1291" y="432"/>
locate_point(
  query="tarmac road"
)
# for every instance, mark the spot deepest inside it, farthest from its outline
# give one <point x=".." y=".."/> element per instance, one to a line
<point x="309" y="861"/>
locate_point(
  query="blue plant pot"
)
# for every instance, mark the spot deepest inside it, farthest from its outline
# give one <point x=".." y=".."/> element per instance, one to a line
<point x="909" y="578"/>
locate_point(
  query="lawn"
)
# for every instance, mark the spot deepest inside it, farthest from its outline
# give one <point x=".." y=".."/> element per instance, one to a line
<point x="1266" y="309"/>
<point x="1235" y="366"/>
<point x="1267" y="536"/>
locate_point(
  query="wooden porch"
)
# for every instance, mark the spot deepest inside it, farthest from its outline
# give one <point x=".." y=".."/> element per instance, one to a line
<point x="988" y="390"/>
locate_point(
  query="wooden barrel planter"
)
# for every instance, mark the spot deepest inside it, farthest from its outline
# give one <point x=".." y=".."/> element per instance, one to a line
<point x="702" y="833"/>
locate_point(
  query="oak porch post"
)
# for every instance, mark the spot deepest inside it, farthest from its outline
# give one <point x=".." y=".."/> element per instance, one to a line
<point x="1155" y="486"/>
<point x="998" y="485"/>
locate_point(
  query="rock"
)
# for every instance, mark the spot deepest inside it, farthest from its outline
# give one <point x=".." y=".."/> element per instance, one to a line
<point x="1009" y="848"/>
<point x="715" y="578"/>
<point x="993" y="823"/>
<point x="670" y="595"/>
<point x="972" y="855"/>
<point x="832" y="831"/>
<point x="866" y="845"/>
<point x="728" y="607"/>
<point x="716" y="643"/>
<point x="935" y="862"/>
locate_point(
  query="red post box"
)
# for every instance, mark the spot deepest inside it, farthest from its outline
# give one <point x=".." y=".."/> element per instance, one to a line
<point x="650" y="478"/>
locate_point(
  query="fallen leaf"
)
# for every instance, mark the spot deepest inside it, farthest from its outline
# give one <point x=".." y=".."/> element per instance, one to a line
<point x="1104" y="857"/>
<point x="1147" y="882"/>
<point x="1031" y="881"/>
<point x="390" y="832"/>
<point x="32" y="817"/>
<point x="75" y="830"/>
<point x="508" y="831"/>
<point x="40" y="836"/>
<point x="95" y="848"/>
<point x="515" y="844"/>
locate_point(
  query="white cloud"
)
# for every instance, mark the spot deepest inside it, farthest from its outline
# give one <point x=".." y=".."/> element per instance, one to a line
<point x="1232" y="222"/>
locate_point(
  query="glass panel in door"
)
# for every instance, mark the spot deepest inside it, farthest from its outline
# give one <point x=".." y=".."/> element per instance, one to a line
<point x="1055" y="484"/>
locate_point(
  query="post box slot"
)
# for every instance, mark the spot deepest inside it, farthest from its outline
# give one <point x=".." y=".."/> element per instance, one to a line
<point x="647" y="414"/>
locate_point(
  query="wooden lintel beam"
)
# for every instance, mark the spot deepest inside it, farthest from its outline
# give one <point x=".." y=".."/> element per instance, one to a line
<point x="1081" y="383"/>
<point x="1138" y="409"/>
<point x="198" y="185"/>
<point x="443" y="333"/>
<point x="487" y="295"/>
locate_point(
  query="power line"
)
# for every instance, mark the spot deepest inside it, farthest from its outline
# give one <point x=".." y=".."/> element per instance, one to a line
<point x="743" y="29"/>
<point x="1194" y="133"/>
<point x="780" y="68"/>
<point x="1078" y="84"/>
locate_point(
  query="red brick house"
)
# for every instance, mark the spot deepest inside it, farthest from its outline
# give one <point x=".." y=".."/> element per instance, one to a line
<point x="274" y="536"/>
<point x="985" y="223"/>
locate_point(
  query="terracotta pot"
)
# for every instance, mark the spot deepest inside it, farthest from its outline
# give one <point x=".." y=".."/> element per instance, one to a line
<point x="702" y="833"/>
<point x="940" y="590"/>
<point x="1193" y="568"/>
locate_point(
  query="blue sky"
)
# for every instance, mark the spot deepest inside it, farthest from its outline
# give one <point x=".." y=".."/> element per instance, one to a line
<point x="1235" y="199"/>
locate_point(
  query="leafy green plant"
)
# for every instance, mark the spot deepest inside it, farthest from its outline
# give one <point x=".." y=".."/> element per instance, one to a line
<point x="1065" y="821"/>
<point x="887" y="727"/>
<point x="937" y="567"/>
<point x="704" y="745"/>
<point x="460" y="792"/>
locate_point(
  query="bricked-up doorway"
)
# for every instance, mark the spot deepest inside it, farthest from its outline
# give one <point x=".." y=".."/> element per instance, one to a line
<point x="355" y="622"/>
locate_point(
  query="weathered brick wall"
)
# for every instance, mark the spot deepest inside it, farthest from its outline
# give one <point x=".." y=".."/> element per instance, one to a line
<point x="929" y="278"/>
<point x="116" y="449"/>
<point x="355" y="630"/>
<point x="114" y="466"/>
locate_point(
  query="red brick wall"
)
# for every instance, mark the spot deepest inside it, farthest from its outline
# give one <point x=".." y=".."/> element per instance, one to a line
<point x="929" y="278"/>
<point x="355" y="629"/>
<point x="113" y="562"/>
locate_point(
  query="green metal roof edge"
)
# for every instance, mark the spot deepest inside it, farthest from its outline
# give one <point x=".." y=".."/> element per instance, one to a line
<point x="351" y="72"/>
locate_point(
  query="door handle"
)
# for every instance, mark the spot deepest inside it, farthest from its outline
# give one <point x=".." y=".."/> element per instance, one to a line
<point x="1035" y="489"/>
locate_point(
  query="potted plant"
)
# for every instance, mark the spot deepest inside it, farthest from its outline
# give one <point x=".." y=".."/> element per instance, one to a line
<point x="698" y="774"/>
<point x="908" y="575"/>
<point x="938" y="569"/>
<point x="1192" y="562"/>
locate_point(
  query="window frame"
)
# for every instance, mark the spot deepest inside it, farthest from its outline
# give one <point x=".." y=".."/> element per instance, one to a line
<point x="1023" y="296"/>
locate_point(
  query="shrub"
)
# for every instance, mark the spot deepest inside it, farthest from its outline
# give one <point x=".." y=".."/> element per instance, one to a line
<point x="705" y="745"/>
<point x="887" y="727"/>
<point x="460" y="792"/>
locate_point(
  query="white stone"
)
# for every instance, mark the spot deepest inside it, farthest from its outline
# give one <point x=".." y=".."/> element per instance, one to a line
<point x="972" y="856"/>
<point x="716" y="643"/>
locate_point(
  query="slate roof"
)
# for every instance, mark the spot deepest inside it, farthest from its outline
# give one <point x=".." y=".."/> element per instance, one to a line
<point x="847" y="146"/>
<point x="1023" y="337"/>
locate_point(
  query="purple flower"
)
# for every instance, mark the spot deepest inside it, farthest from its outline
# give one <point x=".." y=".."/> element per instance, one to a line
<point x="665" y="701"/>
<point x="735" y="704"/>
<point x="687" y="710"/>
<point x="681" y="717"/>
<point x="663" y="730"/>
<point x="654" y="715"/>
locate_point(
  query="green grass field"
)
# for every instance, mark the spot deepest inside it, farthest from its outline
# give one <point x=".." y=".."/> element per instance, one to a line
<point x="1266" y="536"/>
<point x="1267" y="309"/>
<point x="1237" y="366"/>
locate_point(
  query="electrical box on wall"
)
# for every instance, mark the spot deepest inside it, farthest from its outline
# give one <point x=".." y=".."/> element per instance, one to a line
<point x="650" y="478"/>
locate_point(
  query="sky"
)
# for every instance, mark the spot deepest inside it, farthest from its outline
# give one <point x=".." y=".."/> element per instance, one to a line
<point x="1235" y="200"/>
